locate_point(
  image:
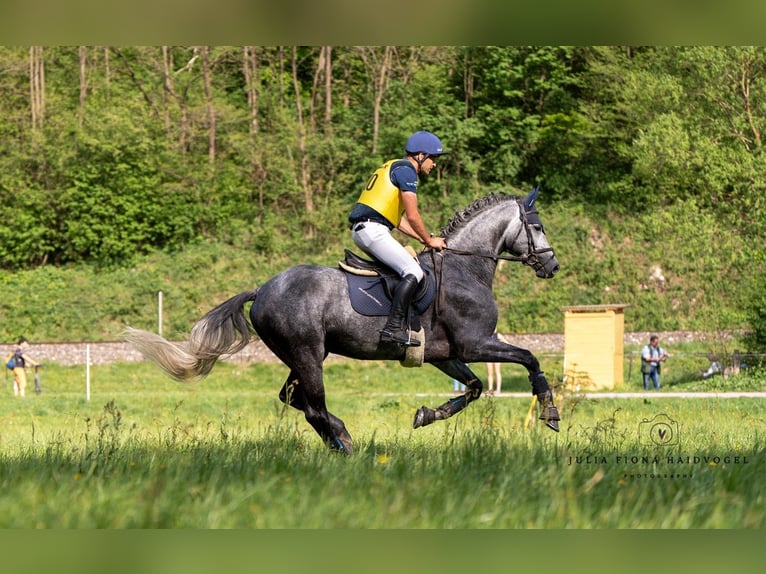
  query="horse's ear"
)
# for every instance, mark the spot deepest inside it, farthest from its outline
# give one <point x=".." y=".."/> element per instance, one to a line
<point x="529" y="201"/>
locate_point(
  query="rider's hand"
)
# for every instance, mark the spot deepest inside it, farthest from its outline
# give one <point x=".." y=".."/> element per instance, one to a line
<point x="437" y="243"/>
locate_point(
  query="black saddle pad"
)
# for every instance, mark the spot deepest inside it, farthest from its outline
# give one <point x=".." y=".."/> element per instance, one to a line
<point x="369" y="296"/>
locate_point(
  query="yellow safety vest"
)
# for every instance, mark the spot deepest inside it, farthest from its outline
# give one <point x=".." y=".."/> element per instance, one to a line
<point x="382" y="195"/>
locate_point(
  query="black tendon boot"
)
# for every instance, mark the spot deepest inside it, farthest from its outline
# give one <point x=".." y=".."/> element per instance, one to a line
<point x="396" y="328"/>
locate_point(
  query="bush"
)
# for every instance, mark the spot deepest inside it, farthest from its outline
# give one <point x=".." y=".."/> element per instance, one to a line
<point x="756" y="309"/>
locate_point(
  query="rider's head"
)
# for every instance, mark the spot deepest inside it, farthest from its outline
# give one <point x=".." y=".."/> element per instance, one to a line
<point x="423" y="146"/>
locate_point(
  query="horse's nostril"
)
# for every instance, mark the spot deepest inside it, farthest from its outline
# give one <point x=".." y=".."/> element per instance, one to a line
<point x="555" y="269"/>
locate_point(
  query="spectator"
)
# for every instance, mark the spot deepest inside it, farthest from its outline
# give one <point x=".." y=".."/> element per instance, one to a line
<point x="21" y="360"/>
<point x="652" y="355"/>
<point x="715" y="368"/>
<point x="494" y="376"/>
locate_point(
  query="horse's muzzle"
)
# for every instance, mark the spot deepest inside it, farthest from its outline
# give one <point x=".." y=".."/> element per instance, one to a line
<point x="548" y="269"/>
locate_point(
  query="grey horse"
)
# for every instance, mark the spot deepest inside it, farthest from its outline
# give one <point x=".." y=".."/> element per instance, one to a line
<point x="304" y="313"/>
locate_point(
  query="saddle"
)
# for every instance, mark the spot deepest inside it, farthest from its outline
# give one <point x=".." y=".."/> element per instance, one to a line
<point x="371" y="286"/>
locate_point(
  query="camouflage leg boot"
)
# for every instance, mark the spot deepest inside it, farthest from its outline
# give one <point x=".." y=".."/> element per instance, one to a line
<point x="548" y="411"/>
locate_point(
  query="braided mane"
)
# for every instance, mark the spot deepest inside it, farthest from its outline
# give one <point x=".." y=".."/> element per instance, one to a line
<point x="467" y="213"/>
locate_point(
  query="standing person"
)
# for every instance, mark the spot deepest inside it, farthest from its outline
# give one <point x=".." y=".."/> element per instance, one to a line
<point x="389" y="201"/>
<point x="494" y="376"/>
<point x="651" y="357"/>
<point x="21" y="359"/>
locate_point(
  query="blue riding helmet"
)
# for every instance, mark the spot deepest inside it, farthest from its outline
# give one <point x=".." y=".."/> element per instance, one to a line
<point x="424" y="142"/>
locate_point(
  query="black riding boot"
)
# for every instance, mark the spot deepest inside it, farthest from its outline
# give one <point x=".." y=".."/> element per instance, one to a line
<point x="396" y="328"/>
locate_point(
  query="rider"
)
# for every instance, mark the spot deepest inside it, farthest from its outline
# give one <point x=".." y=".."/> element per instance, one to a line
<point x="388" y="201"/>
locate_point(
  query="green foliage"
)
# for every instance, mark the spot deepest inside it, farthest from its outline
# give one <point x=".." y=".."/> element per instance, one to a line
<point x="650" y="160"/>
<point x="117" y="206"/>
<point x="755" y="304"/>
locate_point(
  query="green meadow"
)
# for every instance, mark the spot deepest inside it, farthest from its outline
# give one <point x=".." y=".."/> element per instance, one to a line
<point x="223" y="453"/>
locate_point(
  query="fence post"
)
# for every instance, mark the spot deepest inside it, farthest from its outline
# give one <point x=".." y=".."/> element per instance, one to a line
<point x="87" y="372"/>
<point x="159" y="313"/>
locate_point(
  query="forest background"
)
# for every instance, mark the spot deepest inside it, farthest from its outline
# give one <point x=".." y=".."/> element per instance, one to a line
<point x="200" y="171"/>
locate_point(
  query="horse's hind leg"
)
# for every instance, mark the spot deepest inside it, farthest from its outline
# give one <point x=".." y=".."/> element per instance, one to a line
<point x="329" y="427"/>
<point x="460" y="371"/>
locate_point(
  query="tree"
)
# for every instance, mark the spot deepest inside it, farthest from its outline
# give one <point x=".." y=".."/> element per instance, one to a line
<point x="305" y="176"/>
<point x="512" y="92"/>
<point x="377" y="61"/>
<point x="207" y="85"/>
<point x="37" y="86"/>
<point x="252" y="140"/>
<point x="250" y="69"/>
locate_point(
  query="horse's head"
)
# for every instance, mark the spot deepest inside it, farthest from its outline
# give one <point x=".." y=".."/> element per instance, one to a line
<point x="529" y="242"/>
<point x="505" y="223"/>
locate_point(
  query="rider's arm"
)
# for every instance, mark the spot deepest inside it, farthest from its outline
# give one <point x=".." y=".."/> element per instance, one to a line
<point x="406" y="228"/>
<point x="412" y="224"/>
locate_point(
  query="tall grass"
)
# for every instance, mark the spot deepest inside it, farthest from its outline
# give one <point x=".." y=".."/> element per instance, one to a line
<point x="224" y="453"/>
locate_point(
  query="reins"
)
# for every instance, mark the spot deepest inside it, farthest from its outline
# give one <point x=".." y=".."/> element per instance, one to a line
<point x="521" y="258"/>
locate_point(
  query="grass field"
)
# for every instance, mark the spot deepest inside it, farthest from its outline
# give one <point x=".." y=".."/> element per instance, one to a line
<point x="224" y="453"/>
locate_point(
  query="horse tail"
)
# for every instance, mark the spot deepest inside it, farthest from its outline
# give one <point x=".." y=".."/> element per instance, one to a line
<point x="223" y="330"/>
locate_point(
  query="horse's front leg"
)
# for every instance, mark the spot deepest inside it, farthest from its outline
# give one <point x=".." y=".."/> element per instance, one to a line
<point x="492" y="350"/>
<point x="460" y="371"/>
<point x="548" y="411"/>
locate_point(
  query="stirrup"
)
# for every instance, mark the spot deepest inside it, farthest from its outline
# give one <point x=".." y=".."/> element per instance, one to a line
<point x="400" y="336"/>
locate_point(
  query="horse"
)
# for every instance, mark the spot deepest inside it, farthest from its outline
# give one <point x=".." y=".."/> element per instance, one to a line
<point x="304" y="313"/>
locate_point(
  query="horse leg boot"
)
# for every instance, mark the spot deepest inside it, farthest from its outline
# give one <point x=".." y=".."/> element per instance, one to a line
<point x="396" y="327"/>
<point x="548" y="411"/>
<point x="425" y="416"/>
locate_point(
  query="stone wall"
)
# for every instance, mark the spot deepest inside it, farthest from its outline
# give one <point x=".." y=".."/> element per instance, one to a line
<point x="101" y="353"/>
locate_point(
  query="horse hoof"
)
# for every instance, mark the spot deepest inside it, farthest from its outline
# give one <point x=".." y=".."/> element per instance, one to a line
<point x="548" y="411"/>
<point x="423" y="417"/>
<point x="348" y="446"/>
<point x="551" y="424"/>
<point x="550" y="416"/>
<point x="342" y="445"/>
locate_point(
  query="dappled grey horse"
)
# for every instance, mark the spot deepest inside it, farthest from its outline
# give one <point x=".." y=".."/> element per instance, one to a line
<point x="304" y="313"/>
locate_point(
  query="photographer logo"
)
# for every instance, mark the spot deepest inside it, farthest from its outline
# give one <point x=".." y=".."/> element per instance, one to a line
<point x="660" y="431"/>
